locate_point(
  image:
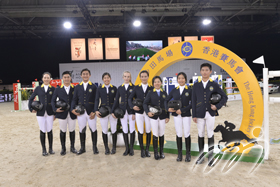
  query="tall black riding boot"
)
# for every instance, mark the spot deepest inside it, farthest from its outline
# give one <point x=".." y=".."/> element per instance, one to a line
<point x="83" y="143"/>
<point x="188" y="148"/>
<point x="201" y="150"/>
<point x="43" y="143"/>
<point x="179" y="147"/>
<point x="132" y="139"/>
<point x="114" y="138"/>
<point x="50" y="138"/>
<point x="140" y="139"/>
<point x="155" y="145"/>
<point x="210" y="151"/>
<point x="125" y="138"/>
<point x="148" y="141"/>
<point x="161" y="144"/>
<point x="94" y="142"/>
<point x="72" y="141"/>
<point x="105" y="141"/>
<point x="62" y="141"/>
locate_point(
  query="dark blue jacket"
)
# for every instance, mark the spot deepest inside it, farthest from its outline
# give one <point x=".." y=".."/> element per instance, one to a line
<point x="85" y="98"/>
<point x="156" y="100"/>
<point x="201" y="98"/>
<point x="185" y="98"/>
<point x="106" y="99"/>
<point x="123" y="94"/>
<point x="139" y="93"/>
<point x="61" y="94"/>
<point x="44" y="98"/>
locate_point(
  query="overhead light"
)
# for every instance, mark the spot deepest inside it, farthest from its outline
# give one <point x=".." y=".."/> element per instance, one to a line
<point x="206" y="21"/>
<point x="154" y="9"/>
<point x="94" y="11"/>
<point x="136" y="23"/>
<point x="166" y="10"/>
<point x="143" y="11"/>
<point x="112" y="10"/>
<point x="122" y="10"/>
<point x="67" y="25"/>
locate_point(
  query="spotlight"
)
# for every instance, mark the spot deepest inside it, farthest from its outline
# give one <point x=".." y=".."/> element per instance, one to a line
<point x="112" y="10"/>
<point x="137" y="23"/>
<point x="206" y="21"/>
<point x="184" y="10"/>
<point x="166" y="10"/>
<point x="94" y="11"/>
<point x="122" y="10"/>
<point x="67" y="25"/>
<point x="154" y="9"/>
<point x="143" y="11"/>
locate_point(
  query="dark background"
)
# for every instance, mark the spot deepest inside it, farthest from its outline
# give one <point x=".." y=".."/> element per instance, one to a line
<point x="27" y="59"/>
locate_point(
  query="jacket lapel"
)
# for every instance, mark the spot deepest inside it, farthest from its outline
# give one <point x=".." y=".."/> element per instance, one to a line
<point x="71" y="91"/>
<point x="208" y="85"/>
<point x="63" y="90"/>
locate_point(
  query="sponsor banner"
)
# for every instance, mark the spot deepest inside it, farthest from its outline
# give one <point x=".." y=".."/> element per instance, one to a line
<point x="15" y="88"/>
<point x="78" y="49"/>
<point x="207" y="39"/>
<point x="112" y="48"/>
<point x="174" y="40"/>
<point x="190" y="38"/>
<point x="95" y="49"/>
<point x="56" y="82"/>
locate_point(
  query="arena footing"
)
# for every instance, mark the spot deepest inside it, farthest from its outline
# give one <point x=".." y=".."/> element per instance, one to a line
<point x="256" y="155"/>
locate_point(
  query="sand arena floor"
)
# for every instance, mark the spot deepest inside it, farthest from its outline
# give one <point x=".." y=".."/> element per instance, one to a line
<point x="23" y="165"/>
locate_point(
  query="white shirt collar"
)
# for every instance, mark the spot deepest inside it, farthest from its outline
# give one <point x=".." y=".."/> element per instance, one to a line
<point x="46" y="88"/>
<point x="67" y="89"/>
<point x="206" y="81"/>
<point x="85" y="85"/>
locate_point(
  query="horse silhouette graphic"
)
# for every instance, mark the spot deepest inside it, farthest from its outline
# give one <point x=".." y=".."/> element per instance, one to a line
<point x="230" y="136"/>
<point x="229" y="126"/>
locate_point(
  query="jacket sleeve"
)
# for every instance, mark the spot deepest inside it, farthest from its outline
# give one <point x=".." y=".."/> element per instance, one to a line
<point x="55" y="94"/>
<point x="193" y="102"/>
<point x="116" y="102"/>
<point x="167" y="99"/>
<point x="96" y="102"/>
<point x="167" y="114"/>
<point x="224" y="97"/>
<point x="75" y="99"/>
<point x="94" y="95"/>
<point x="31" y="98"/>
<point x="130" y="98"/>
<point x="188" y="105"/>
<point x="146" y="102"/>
